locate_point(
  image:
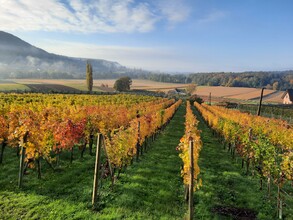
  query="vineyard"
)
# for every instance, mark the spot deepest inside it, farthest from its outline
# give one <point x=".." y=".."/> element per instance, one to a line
<point x="149" y="158"/>
<point x="264" y="145"/>
<point x="44" y="126"/>
<point x="284" y="112"/>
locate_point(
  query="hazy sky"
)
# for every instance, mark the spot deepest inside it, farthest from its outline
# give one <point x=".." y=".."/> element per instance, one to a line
<point x="165" y="35"/>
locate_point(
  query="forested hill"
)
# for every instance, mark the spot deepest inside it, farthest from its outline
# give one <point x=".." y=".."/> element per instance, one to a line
<point x="272" y="80"/>
<point x="19" y="59"/>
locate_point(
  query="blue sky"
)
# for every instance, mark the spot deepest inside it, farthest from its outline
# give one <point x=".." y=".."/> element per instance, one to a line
<point x="160" y="35"/>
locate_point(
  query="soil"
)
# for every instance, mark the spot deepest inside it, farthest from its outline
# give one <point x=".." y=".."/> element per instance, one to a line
<point x="235" y="213"/>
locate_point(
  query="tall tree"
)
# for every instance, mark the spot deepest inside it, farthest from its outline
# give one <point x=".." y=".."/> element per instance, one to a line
<point x="123" y="84"/>
<point x="276" y="85"/>
<point x="191" y="88"/>
<point x="89" y="77"/>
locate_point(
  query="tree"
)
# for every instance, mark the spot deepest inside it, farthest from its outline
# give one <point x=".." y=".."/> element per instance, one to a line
<point x="123" y="84"/>
<point x="276" y="85"/>
<point x="191" y="88"/>
<point x="268" y="86"/>
<point x="89" y="77"/>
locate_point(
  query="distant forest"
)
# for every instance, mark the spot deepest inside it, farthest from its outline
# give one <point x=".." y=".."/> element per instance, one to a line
<point x="270" y="80"/>
<point x="281" y="80"/>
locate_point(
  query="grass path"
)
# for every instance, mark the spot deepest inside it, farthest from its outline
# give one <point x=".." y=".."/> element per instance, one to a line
<point x="152" y="188"/>
<point x="227" y="193"/>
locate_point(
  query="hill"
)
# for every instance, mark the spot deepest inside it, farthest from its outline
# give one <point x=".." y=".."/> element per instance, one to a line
<point x="19" y="59"/>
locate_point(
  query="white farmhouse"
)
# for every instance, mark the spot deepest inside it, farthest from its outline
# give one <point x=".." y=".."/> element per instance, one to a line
<point x="288" y="97"/>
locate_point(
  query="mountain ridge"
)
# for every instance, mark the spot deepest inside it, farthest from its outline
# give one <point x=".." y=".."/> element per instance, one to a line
<point x="17" y="58"/>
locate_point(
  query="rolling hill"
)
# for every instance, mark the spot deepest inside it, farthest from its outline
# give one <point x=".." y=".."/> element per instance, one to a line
<point x="20" y="59"/>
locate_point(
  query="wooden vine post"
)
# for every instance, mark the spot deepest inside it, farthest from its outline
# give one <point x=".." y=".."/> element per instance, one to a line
<point x="138" y="136"/>
<point x="191" y="185"/>
<point x="22" y="157"/>
<point x="2" y="151"/>
<point x="248" y="159"/>
<point x="97" y="168"/>
<point x="260" y="102"/>
<point x="280" y="203"/>
<point x="108" y="160"/>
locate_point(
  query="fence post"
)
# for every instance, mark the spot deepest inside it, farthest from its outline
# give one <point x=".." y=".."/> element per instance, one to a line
<point x="2" y="151"/>
<point x="260" y="102"/>
<point x="138" y="140"/>
<point x="97" y="167"/>
<point x="191" y="185"/>
<point x="108" y="160"/>
<point x="280" y="204"/>
<point x="22" y="156"/>
<point x="20" y="175"/>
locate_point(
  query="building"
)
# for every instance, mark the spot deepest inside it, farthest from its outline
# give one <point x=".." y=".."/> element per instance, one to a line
<point x="177" y="92"/>
<point x="288" y="96"/>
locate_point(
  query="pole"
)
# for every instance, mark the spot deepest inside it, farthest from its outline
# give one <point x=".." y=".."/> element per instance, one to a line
<point x="21" y="166"/>
<point x="260" y="102"/>
<point x="22" y="156"/>
<point x="191" y="185"/>
<point x="210" y="98"/>
<point x="108" y="160"/>
<point x="138" y="136"/>
<point x="97" y="167"/>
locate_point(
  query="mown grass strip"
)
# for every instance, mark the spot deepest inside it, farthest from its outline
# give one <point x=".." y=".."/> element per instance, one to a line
<point x="227" y="192"/>
<point x="152" y="188"/>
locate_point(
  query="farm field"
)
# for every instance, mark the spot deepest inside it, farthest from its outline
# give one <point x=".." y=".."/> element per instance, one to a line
<point x="97" y="86"/>
<point x="240" y="93"/>
<point x="7" y="85"/>
<point x="59" y="185"/>
<point x="220" y="93"/>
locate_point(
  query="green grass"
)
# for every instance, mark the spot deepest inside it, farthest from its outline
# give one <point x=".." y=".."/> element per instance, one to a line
<point x="149" y="189"/>
<point x="82" y="87"/>
<point x="225" y="184"/>
<point x="63" y="194"/>
<point x="13" y="87"/>
<point x="152" y="188"/>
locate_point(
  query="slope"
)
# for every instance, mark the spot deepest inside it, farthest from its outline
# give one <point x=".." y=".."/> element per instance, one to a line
<point x="20" y="59"/>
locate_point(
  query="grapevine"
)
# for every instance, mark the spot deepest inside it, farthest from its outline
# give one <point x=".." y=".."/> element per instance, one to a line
<point x="191" y="132"/>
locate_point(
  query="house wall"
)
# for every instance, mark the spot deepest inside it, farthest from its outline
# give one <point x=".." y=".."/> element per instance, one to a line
<point x="286" y="99"/>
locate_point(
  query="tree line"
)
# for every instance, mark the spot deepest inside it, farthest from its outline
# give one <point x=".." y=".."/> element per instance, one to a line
<point x="271" y="80"/>
<point x="279" y="80"/>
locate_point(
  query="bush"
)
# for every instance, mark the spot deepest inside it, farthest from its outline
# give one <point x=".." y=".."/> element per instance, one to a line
<point x="195" y="98"/>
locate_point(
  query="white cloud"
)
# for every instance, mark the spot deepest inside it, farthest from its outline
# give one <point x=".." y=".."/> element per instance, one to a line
<point x="175" y="11"/>
<point x="89" y="16"/>
<point x="212" y="17"/>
